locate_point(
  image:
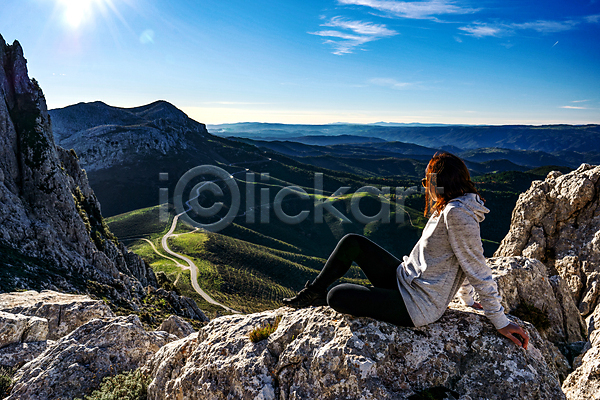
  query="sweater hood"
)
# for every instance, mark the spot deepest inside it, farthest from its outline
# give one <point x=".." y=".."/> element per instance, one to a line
<point x="473" y="203"/>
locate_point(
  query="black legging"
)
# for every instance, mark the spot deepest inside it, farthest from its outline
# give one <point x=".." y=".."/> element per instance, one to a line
<point x="383" y="301"/>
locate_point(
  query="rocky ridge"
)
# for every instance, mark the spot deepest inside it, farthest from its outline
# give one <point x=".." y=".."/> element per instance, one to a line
<point x="155" y="129"/>
<point x="557" y="221"/>
<point x="65" y="344"/>
<point x="47" y="208"/>
<point x="321" y="354"/>
<point x="124" y="150"/>
<point x="52" y="232"/>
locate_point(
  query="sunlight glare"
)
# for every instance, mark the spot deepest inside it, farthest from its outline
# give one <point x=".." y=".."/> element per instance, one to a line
<point x="76" y="12"/>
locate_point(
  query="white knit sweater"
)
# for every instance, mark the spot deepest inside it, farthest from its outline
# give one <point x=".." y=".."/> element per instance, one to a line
<point x="449" y="251"/>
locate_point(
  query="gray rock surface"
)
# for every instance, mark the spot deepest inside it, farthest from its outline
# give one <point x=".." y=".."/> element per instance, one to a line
<point x="584" y="382"/>
<point x="557" y="221"/>
<point x="63" y="312"/>
<point x="47" y="209"/>
<point x="523" y="279"/>
<point x="176" y="326"/>
<point x="17" y="354"/>
<point x="16" y="328"/>
<point x="12" y="327"/>
<point x="318" y="353"/>
<point x="77" y="363"/>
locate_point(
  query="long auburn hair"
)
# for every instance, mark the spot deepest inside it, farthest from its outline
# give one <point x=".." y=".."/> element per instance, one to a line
<point x="451" y="178"/>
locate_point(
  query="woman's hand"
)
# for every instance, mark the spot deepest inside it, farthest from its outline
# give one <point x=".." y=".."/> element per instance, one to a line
<point x="512" y="329"/>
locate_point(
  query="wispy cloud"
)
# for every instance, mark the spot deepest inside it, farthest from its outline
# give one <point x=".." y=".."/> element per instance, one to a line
<point x="479" y="30"/>
<point x="547" y="26"/>
<point x="391" y="83"/>
<point x="580" y="101"/>
<point x="360" y="27"/>
<point x="499" y="29"/>
<point x="574" y="108"/>
<point x="360" y="33"/>
<point x="412" y="9"/>
<point x="593" y="19"/>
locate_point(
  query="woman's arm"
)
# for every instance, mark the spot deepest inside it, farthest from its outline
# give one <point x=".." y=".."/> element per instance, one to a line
<point x="465" y="240"/>
<point x="465" y="293"/>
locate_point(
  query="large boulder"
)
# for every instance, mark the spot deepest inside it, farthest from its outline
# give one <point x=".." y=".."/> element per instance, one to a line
<point x="523" y="280"/>
<point x="64" y="312"/>
<point x="321" y="354"/>
<point x="16" y="328"/>
<point x="176" y="326"/>
<point x="557" y="221"/>
<point x="77" y="363"/>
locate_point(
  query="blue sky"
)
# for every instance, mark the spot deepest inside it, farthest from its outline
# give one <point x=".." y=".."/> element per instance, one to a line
<point x="472" y="62"/>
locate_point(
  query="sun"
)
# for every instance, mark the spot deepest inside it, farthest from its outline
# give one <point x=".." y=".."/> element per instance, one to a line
<point x="77" y="12"/>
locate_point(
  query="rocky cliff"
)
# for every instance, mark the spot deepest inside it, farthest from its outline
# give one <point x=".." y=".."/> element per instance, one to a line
<point x="52" y="233"/>
<point x="48" y="212"/>
<point x="317" y="353"/>
<point x="557" y="221"/>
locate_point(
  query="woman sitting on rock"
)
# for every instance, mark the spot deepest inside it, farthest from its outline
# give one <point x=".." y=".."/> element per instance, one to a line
<point x="446" y="261"/>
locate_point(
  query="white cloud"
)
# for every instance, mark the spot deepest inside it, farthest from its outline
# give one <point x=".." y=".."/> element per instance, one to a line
<point x="363" y="32"/>
<point x="580" y="101"/>
<point x="574" y="108"/>
<point x="593" y="19"/>
<point x="391" y="83"/>
<point x="412" y="9"/>
<point x="547" y="26"/>
<point x="481" y="30"/>
<point x="360" y="27"/>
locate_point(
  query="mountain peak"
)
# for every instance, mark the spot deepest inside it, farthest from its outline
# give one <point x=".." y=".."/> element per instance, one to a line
<point x="160" y="109"/>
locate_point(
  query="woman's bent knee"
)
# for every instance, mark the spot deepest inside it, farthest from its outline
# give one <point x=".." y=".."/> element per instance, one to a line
<point x="335" y="298"/>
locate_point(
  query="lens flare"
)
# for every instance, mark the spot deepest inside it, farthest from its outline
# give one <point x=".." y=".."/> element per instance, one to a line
<point x="76" y="12"/>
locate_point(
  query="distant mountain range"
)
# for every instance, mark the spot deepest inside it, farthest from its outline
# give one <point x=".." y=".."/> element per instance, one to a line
<point x="568" y="145"/>
<point x="123" y="150"/>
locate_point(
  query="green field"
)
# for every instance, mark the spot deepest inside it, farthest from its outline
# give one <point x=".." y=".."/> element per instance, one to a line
<point x="251" y="267"/>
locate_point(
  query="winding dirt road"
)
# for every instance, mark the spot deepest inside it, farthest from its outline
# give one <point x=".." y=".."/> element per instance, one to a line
<point x="190" y="264"/>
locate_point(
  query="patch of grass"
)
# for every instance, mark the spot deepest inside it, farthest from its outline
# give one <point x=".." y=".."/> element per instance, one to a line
<point x="264" y="331"/>
<point x="92" y="217"/>
<point x="140" y="222"/>
<point x="130" y="385"/>
<point x="532" y="314"/>
<point x="6" y="380"/>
